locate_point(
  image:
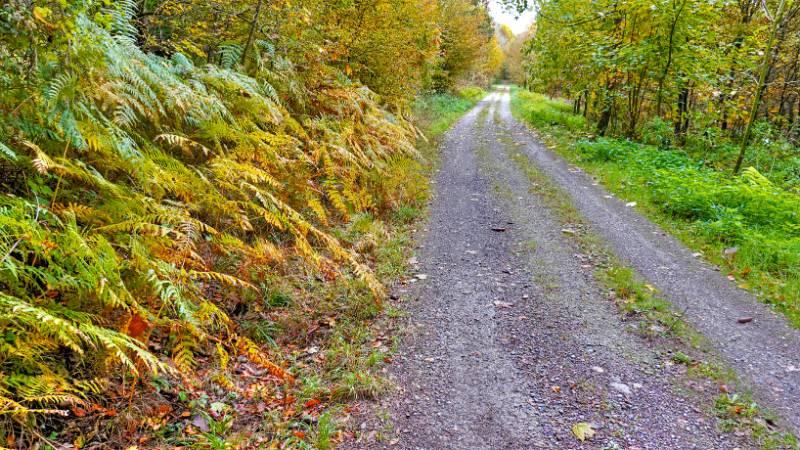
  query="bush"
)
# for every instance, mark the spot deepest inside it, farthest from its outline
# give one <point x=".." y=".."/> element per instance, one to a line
<point x="472" y="93"/>
<point x="159" y="195"/>
<point x="603" y="150"/>
<point x="658" y="132"/>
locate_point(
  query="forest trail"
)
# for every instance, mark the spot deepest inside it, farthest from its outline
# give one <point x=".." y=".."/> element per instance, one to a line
<point x="512" y="340"/>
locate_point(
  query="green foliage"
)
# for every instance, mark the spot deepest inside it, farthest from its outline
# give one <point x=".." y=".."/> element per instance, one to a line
<point x="658" y="131"/>
<point x="473" y="94"/>
<point x="438" y="112"/>
<point x="676" y="72"/>
<point x="740" y="413"/>
<point x="540" y="110"/>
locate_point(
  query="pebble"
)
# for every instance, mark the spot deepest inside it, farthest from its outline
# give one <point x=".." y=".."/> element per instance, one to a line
<point x="621" y="387"/>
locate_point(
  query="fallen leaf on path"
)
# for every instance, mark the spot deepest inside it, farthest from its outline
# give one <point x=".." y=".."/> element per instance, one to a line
<point x="501" y="304"/>
<point x="555" y="389"/>
<point x="583" y="431"/>
<point x="744" y="319"/>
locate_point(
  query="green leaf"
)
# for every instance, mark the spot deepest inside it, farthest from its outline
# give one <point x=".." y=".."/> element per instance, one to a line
<point x="7" y="153"/>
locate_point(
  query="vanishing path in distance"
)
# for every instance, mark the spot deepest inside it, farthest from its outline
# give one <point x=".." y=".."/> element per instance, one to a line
<point x="511" y="341"/>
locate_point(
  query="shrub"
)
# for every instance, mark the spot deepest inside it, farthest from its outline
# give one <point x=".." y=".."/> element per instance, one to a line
<point x="472" y="93"/>
<point x="658" y="132"/>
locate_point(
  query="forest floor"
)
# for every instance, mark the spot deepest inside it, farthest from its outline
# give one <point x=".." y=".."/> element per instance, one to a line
<point x="546" y="313"/>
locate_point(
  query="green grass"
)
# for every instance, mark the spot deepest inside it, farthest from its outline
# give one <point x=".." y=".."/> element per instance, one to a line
<point x="748" y="225"/>
<point x="436" y="113"/>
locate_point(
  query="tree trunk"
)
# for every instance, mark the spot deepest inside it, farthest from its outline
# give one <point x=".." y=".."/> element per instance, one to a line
<point x="664" y="74"/>
<point x="766" y="66"/>
<point x="606" y="105"/>
<point x="680" y="124"/>
<point x="586" y="105"/>
<point x="252" y="32"/>
<point x="605" y="118"/>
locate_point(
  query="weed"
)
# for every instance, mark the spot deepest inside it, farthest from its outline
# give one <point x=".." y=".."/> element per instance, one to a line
<point x="322" y="437"/>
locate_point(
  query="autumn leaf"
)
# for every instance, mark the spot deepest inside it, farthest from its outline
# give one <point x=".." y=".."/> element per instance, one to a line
<point x="136" y="326"/>
<point x="583" y="431"/>
<point x="41" y="14"/>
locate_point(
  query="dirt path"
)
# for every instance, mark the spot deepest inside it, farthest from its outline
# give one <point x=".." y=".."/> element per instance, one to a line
<point x="511" y="339"/>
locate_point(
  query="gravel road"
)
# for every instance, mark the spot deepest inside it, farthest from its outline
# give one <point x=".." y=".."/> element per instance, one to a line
<point x="511" y="341"/>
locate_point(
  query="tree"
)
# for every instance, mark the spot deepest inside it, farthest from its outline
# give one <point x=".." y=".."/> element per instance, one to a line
<point x="776" y="23"/>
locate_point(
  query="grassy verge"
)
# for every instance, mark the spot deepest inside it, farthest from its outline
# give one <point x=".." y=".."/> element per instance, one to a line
<point x="747" y="225"/>
<point x="656" y="320"/>
<point x="438" y="112"/>
<point x="345" y="366"/>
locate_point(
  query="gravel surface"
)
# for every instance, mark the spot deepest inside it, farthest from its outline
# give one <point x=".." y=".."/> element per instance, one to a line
<point x="765" y="352"/>
<point x="510" y="339"/>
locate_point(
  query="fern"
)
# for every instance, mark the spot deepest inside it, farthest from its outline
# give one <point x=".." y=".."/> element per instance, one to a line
<point x="151" y="183"/>
<point x="7" y="153"/>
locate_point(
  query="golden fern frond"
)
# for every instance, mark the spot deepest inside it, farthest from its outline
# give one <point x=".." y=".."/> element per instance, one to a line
<point x="183" y="352"/>
<point x="135" y="226"/>
<point x="182" y="143"/>
<point x="12" y="408"/>
<point x="249" y="349"/>
<point x="220" y="278"/>
<point x="316" y="206"/>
